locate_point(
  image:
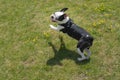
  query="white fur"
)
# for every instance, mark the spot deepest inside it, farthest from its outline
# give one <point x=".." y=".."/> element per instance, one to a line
<point x="57" y="14"/>
<point x="81" y="54"/>
<point x="58" y="28"/>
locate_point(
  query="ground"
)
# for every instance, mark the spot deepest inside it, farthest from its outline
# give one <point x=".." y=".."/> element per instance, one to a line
<point x="30" y="50"/>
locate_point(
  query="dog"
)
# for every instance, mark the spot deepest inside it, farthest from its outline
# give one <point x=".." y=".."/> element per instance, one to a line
<point x="66" y="25"/>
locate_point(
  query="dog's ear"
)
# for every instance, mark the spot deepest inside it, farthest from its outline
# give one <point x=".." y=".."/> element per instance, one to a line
<point x="63" y="10"/>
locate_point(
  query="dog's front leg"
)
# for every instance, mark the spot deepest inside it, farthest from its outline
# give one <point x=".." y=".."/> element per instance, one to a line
<point x="58" y="28"/>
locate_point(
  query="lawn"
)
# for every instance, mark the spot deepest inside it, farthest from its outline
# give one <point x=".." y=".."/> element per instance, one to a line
<point x="30" y="50"/>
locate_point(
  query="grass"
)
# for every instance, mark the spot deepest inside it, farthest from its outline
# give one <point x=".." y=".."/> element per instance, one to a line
<point x="30" y="50"/>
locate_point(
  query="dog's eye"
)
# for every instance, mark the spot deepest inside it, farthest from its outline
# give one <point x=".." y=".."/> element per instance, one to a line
<point x="61" y="18"/>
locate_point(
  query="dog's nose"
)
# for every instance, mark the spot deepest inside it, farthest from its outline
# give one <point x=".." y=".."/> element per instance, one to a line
<point x="53" y="19"/>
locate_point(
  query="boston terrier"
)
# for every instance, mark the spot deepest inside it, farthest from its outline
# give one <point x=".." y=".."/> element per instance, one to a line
<point x="66" y="25"/>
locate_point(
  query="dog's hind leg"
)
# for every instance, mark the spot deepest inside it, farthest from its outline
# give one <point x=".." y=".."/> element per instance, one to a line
<point x="81" y="54"/>
<point x="88" y="53"/>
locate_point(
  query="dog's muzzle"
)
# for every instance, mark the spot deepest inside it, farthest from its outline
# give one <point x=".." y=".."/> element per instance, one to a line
<point x="53" y="19"/>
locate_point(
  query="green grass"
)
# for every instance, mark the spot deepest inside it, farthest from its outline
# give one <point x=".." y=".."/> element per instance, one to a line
<point x="30" y="50"/>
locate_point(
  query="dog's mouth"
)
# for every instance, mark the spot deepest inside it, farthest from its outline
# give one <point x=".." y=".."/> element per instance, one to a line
<point x="53" y="20"/>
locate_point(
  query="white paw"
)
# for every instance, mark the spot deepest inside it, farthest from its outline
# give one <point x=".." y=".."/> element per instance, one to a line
<point x="51" y="26"/>
<point x="81" y="59"/>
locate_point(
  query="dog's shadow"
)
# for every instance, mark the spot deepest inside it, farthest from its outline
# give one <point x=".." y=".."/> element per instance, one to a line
<point x="63" y="53"/>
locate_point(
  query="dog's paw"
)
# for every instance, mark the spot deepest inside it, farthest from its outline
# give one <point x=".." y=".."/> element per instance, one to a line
<point x="81" y="59"/>
<point x="51" y="26"/>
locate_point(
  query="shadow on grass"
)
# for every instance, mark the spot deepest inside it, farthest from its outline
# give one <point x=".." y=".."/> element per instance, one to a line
<point x="63" y="53"/>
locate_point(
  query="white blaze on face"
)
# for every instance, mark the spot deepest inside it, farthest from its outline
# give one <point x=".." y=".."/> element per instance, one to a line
<point x="56" y="15"/>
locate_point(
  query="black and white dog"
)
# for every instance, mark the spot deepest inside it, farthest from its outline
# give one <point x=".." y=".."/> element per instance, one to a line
<point x="66" y="25"/>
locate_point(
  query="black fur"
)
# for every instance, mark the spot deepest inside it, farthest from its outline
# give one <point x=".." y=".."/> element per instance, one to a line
<point x="78" y="33"/>
<point x="61" y="17"/>
<point x="64" y="9"/>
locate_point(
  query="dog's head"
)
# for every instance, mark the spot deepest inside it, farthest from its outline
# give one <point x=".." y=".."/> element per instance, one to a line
<point x="60" y="16"/>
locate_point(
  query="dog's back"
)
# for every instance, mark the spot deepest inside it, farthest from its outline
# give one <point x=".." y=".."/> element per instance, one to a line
<point x="74" y="31"/>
